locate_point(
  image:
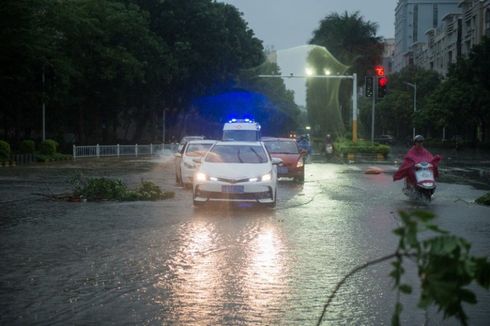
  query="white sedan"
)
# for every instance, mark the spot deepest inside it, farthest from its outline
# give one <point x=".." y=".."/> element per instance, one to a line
<point x="185" y="166"/>
<point x="236" y="171"/>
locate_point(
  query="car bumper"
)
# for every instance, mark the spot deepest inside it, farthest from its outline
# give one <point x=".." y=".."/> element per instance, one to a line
<point x="288" y="172"/>
<point x="240" y="192"/>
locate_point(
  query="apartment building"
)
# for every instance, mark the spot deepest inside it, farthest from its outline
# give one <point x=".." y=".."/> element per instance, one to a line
<point x="413" y="18"/>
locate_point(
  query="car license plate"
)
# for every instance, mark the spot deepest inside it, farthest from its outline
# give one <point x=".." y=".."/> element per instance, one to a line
<point x="232" y="189"/>
<point x="282" y="169"/>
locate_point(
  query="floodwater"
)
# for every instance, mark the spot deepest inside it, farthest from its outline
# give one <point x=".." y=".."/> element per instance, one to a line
<point x="166" y="263"/>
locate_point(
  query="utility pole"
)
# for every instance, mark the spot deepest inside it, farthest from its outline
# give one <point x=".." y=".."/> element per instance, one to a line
<point x="414" y="86"/>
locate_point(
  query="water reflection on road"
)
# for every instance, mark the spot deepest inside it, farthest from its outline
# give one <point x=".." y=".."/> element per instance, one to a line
<point x="167" y="263"/>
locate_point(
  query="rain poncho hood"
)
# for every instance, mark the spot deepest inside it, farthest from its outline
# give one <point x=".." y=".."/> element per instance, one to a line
<point x="416" y="155"/>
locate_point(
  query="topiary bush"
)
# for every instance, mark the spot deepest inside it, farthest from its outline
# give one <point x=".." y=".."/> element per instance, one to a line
<point x="27" y="146"/>
<point x="48" y="147"/>
<point x="4" y="150"/>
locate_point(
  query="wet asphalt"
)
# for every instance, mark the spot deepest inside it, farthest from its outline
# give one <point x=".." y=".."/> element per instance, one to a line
<point x="167" y="263"/>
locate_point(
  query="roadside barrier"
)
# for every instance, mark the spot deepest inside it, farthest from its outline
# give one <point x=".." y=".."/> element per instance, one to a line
<point x="120" y="150"/>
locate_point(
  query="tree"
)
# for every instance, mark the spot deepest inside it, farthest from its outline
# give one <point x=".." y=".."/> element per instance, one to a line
<point x="462" y="101"/>
<point x="353" y="42"/>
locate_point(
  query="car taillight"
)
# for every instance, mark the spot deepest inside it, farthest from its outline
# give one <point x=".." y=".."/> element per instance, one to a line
<point x="300" y="163"/>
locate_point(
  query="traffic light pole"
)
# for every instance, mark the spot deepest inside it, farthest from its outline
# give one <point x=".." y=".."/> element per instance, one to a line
<point x="354" y="93"/>
<point x="373" y="110"/>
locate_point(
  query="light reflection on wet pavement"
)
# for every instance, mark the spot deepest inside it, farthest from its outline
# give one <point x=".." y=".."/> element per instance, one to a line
<point x="167" y="263"/>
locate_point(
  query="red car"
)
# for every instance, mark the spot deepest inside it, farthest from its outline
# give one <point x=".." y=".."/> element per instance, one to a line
<point x="292" y="157"/>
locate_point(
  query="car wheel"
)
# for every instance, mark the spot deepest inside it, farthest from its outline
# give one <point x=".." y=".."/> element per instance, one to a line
<point x="300" y="179"/>
<point x="273" y="204"/>
<point x="179" y="180"/>
<point x="196" y="202"/>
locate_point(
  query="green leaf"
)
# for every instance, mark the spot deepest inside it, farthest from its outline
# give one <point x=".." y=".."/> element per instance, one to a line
<point x="405" y="288"/>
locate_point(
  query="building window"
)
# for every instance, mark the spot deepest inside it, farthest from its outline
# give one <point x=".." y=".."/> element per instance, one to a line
<point x="415" y="23"/>
<point x="435" y="15"/>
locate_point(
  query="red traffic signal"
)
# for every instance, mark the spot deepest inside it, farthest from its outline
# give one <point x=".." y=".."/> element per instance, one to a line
<point x="382" y="83"/>
<point x="380" y="70"/>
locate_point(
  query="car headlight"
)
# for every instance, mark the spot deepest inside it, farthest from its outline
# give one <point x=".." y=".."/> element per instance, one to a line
<point x="267" y="177"/>
<point x="300" y="163"/>
<point x="201" y="176"/>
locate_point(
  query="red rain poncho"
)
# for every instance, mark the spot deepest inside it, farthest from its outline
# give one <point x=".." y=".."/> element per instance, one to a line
<point x="416" y="155"/>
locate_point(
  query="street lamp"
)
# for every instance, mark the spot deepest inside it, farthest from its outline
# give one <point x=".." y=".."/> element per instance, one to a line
<point x="414" y="86"/>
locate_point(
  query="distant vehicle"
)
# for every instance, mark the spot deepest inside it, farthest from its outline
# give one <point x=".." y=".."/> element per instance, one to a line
<point x="241" y="130"/>
<point x="185" y="166"/>
<point x="186" y="139"/>
<point x="291" y="155"/>
<point x="236" y="171"/>
<point x="384" y="139"/>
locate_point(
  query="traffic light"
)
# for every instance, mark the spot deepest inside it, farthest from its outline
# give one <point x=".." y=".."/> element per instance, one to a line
<point x="369" y="86"/>
<point x="382" y="83"/>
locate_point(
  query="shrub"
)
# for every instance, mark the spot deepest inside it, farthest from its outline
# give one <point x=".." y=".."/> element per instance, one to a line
<point x="4" y="150"/>
<point x="27" y="146"/>
<point x="345" y="146"/>
<point x="48" y="147"/>
<point x="484" y="200"/>
<point x="110" y="189"/>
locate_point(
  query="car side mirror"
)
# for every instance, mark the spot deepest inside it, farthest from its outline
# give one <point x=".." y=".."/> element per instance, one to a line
<point x="303" y="152"/>
<point x="276" y="161"/>
<point x="178" y="155"/>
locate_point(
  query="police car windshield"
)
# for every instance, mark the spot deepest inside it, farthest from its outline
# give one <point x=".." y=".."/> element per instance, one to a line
<point x="241" y="135"/>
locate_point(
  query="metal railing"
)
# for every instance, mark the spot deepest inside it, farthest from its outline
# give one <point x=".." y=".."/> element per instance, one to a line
<point x="121" y="150"/>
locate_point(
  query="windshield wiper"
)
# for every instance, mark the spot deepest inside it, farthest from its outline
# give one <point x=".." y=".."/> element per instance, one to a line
<point x="261" y="159"/>
<point x="239" y="157"/>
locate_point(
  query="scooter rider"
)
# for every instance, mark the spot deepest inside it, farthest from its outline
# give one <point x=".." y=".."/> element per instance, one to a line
<point x="415" y="155"/>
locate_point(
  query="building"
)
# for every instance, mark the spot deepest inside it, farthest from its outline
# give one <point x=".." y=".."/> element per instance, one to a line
<point x="413" y="18"/>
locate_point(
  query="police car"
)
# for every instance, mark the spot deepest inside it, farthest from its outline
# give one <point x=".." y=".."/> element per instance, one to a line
<point x="241" y="130"/>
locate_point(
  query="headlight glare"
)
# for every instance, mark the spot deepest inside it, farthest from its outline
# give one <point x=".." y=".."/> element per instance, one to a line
<point x="267" y="177"/>
<point x="201" y="176"/>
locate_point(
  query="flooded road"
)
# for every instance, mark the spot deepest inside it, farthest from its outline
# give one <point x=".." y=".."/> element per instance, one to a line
<point x="162" y="263"/>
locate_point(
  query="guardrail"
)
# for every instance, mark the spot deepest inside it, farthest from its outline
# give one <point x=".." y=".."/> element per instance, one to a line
<point x="121" y="150"/>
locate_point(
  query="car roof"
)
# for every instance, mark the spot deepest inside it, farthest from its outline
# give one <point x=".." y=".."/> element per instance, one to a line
<point x="188" y="138"/>
<point x="278" y="139"/>
<point x="201" y="141"/>
<point x="237" y="143"/>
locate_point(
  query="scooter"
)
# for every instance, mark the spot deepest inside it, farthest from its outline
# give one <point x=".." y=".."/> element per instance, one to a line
<point x="329" y="149"/>
<point x="425" y="184"/>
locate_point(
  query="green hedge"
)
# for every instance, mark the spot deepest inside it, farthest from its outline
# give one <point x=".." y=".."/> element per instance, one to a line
<point x="27" y="146"/>
<point x="48" y="147"/>
<point x="4" y="150"/>
<point x="345" y="146"/>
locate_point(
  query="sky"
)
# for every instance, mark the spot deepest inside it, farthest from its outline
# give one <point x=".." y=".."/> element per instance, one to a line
<point x="289" y="23"/>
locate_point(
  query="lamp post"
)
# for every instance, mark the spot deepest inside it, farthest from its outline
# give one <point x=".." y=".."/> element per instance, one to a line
<point x="414" y="86"/>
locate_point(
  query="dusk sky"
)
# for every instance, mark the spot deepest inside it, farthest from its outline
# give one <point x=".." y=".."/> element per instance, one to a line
<point x="289" y="23"/>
